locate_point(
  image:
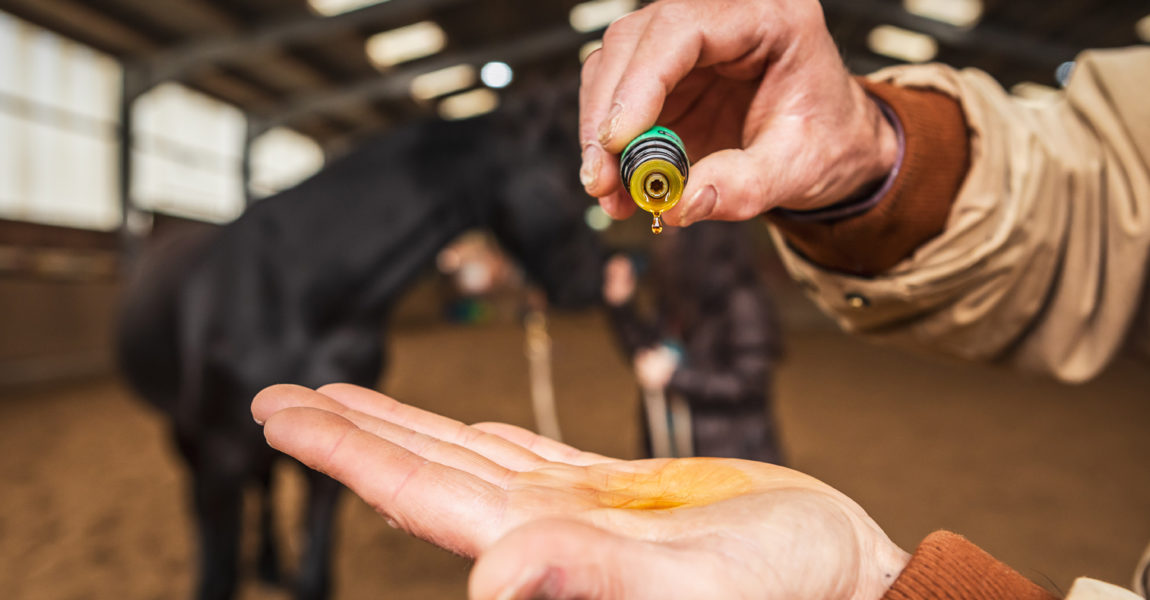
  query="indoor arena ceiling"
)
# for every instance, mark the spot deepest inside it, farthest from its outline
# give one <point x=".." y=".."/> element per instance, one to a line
<point x="286" y="64"/>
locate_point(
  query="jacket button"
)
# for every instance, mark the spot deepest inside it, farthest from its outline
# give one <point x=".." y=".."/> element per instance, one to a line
<point x="857" y="301"/>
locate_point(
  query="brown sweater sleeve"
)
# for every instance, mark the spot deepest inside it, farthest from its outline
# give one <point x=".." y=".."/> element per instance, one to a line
<point x="915" y="209"/>
<point x="947" y="566"/>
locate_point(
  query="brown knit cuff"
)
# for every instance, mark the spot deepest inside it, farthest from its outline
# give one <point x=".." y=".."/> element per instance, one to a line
<point x="947" y="566"/>
<point x="936" y="159"/>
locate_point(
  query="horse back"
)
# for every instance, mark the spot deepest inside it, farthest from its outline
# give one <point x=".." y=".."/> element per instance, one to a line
<point x="146" y="328"/>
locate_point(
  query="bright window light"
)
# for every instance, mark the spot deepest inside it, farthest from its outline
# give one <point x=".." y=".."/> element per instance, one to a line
<point x="405" y="43"/>
<point x="187" y="154"/>
<point x="442" y="82"/>
<point x="496" y="74"/>
<point x="335" y="7"/>
<point x="960" y="13"/>
<point x="596" y="14"/>
<point x="586" y="49"/>
<point x="1142" y="28"/>
<point x="58" y="150"/>
<point x="902" y="44"/>
<point x="282" y="158"/>
<point x="468" y="104"/>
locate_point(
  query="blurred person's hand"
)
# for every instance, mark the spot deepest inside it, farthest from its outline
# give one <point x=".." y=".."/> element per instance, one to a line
<point x="757" y="91"/>
<point x="546" y="520"/>
<point x="654" y="367"/>
<point x="618" y="280"/>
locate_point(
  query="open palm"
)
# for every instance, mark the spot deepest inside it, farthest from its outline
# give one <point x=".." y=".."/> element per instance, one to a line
<point x="544" y="519"/>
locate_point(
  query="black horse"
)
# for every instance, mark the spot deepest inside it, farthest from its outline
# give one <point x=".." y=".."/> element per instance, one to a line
<point x="298" y="290"/>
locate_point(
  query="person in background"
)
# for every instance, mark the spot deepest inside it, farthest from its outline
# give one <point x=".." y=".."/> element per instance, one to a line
<point x="714" y="340"/>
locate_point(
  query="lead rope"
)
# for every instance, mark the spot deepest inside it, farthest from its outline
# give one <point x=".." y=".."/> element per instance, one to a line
<point x="538" y="350"/>
<point x="681" y="426"/>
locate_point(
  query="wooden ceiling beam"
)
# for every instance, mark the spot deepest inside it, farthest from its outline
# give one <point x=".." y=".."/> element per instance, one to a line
<point x="397" y="83"/>
<point x="1019" y="47"/>
<point x="83" y="23"/>
<point x="253" y="82"/>
<point x="175" y="63"/>
<point x="183" y="18"/>
<point x="234" y="90"/>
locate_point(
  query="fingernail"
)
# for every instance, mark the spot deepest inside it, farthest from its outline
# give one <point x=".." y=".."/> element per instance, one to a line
<point x="610" y="124"/>
<point x="391" y="523"/>
<point x="592" y="162"/>
<point x="700" y="206"/>
<point x="258" y="422"/>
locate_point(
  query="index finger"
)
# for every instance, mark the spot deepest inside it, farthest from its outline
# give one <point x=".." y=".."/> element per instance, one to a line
<point x="380" y="406"/>
<point x="489" y="461"/>
<point x="601" y="71"/>
<point x="679" y="38"/>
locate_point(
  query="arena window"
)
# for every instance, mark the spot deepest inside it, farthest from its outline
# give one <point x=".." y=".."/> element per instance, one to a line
<point x="58" y="106"/>
<point x="59" y="120"/>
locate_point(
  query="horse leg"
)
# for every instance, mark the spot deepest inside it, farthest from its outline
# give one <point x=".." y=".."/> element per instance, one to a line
<point x="314" y="580"/>
<point x="218" y="500"/>
<point x="268" y="564"/>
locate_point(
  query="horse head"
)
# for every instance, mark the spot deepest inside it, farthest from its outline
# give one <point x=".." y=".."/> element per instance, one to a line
<point x="538" y="213"/>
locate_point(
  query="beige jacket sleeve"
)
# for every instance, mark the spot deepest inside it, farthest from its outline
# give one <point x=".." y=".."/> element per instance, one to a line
<point x="1043" y="260"/>
<point x="1085" y="588"/>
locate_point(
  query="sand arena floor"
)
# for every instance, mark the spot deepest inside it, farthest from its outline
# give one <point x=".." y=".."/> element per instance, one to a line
<point x="1054" y="480"/>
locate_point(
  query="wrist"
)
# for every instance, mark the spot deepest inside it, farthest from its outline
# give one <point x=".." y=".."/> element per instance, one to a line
<point x="877" y="144"/>
<point x="871" y="193"/>
<point x="876" y="149"/>
<point x="887" y="145"/>
<point x="855" y="155"/>
<point x="915" y="209"/>
<point x="887" y="562"/>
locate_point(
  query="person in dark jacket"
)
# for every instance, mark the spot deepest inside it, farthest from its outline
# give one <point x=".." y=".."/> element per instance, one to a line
<point x="713" y="341"/>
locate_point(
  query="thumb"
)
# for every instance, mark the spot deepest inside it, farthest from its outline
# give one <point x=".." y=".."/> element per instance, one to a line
<point x="560" y="559"/>
<point x="725" y="186"/>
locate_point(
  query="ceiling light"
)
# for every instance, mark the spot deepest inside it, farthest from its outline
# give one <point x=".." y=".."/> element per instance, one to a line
<point x="282" y="158"/>
<point x="496" y="74"/>
<point x="1142" y="28"/>
<point x="597" y="14"/>
<point x="468" y="104"/>
<point x="597" y="218"/>
<point x="902" y="44"/>
<point x="442" y="82"/>
<point x="960" y="13"/>
<point x="405" y="43"/>
<point x="335" y="7"/>
<point x="586" y="49"/>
